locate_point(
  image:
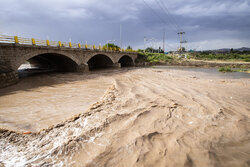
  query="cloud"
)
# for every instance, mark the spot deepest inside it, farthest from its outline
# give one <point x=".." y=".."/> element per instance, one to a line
<point x="220" y="8"/>
<point x="218" y="44"/>
<point x="98" y="21"/>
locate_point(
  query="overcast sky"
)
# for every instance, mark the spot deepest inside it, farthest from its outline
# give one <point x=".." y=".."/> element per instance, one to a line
<point x="209" y="24"/>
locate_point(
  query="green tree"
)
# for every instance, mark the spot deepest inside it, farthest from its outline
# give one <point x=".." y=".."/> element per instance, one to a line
<point x="152" y="50"/>
<point x="111" y="45"/>
<point x="160" y="50"/>
<point x="129" y="47"/>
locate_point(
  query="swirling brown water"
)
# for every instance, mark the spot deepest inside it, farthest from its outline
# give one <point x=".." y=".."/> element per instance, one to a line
<point x="146" y="117"/>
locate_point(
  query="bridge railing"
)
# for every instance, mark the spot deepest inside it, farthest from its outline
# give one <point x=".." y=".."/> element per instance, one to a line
<point x="7" y="39"/>
<point x="33" y="41"/>
<point x="26" y="41"/>
<point x="39" y="42"/>
<point x="53" y="43"/>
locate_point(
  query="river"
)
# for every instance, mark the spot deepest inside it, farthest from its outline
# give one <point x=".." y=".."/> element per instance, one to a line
<point x="161" y="116"/>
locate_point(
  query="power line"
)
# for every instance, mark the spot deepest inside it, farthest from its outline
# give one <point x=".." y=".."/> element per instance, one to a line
<point x="174" y="22"/>
<point x="169" y="15"/>
<point x="154" y="12"/>
<point x="160" y="18"/>
<point x="170" y="46"/>
<point x="170" y="21"/>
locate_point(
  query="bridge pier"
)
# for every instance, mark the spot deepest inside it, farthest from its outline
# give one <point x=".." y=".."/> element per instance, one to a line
<point x="82" y="68"/>
<point x="117" y="65"/>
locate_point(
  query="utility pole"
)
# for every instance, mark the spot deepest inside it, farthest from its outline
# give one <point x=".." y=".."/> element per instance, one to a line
<point x="153" y="45"/>
<point x="163" y="41"/>
<point x="121" y="35"/>
<point x="144" y="43"/>
<point x="180" y="35"/>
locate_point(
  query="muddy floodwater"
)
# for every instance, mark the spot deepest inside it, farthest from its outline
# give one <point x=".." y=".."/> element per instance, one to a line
<point x="41" y="101"/>
<point x="161" y="116"/>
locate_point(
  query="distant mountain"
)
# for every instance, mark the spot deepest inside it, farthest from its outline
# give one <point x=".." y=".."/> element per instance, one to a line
<point x="223" y="50"/>
<point x="228" y="49"/>
<point x="243" y="49"/>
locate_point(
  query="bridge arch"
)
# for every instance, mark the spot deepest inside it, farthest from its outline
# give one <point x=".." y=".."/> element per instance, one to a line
<point x="126" y="61"/>
<point x="51" y="60"/>
<point x="99" y="61"/>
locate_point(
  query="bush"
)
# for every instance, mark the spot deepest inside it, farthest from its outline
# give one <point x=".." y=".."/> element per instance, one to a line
<point x="153" y="57"/>
<point x="225" y="69"/>
<point x="242" y="56"/>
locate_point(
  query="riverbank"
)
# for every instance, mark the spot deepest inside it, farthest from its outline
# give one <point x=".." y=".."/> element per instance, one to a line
<point x="146" y="117"/>
<point x="152" y="59"/>
<point x="197" y="63"/>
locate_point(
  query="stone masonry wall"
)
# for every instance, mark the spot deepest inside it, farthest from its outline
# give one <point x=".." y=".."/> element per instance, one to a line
<point x="8" y="78"/>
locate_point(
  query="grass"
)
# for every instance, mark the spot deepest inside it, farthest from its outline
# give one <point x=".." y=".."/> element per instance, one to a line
<point x="153" y="57"/>
<point x="229" y="69"/>
<point x="225" y="69"/>
<point x="231" y="56"/>
<point x="242" y="70"/>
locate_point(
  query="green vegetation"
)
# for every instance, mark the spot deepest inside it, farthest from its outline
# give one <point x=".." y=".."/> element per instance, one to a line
<point x="129" y="47"/>
<point x="152" y="50"/>
<point x="242" y="70"/>
<point x="112" y="46"/>
<point x="229" y="69"/>
<point x="153" y="57"/>
<point x="232" y="56"/>
<point x="225" y="69"/>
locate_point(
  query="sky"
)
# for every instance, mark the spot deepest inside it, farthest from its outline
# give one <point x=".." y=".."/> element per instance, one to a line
<point x="210" y="24"/>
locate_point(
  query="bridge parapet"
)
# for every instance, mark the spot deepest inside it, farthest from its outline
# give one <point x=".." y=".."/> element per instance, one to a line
<point x="37" y="42"/>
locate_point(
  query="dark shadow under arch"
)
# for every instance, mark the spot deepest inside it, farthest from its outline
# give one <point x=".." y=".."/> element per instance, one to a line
<point x="48" y="62"/>
<point x="99" y="62"/>
<point x="126" y="61"/>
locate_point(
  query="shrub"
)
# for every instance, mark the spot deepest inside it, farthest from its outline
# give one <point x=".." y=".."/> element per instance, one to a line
<point x="225" y="69"/>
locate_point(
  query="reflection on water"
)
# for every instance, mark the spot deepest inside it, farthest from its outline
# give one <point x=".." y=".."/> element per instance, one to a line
<point x="208" y="72"/>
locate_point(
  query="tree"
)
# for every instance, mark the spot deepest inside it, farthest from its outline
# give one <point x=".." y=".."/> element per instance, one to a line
<point x="160" y="50"/>
<point x="111" y="45"/>
<point x="152" y="50"/>
<point x="129" y="47"/>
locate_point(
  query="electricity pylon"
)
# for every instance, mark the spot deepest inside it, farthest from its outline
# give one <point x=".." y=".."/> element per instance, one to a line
<point x="181" y="41"/>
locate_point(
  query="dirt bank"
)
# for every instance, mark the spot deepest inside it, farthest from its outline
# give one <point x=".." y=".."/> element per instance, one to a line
<point x="147" y="117"/>
<point x="199" y="63"/>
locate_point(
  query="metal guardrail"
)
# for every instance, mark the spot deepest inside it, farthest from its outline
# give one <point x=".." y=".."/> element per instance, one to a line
<point x="33" y="41"/>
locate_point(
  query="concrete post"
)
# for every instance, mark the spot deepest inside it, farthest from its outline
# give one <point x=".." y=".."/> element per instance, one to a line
<point x="33" y="41"/>
<point x="59" y="44"/>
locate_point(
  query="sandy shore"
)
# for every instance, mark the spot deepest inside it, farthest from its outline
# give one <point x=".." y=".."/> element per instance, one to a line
<point x="147" y="117"/>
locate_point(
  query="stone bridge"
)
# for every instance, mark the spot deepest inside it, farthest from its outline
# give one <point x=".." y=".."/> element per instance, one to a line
<point x="12" y="56"/>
